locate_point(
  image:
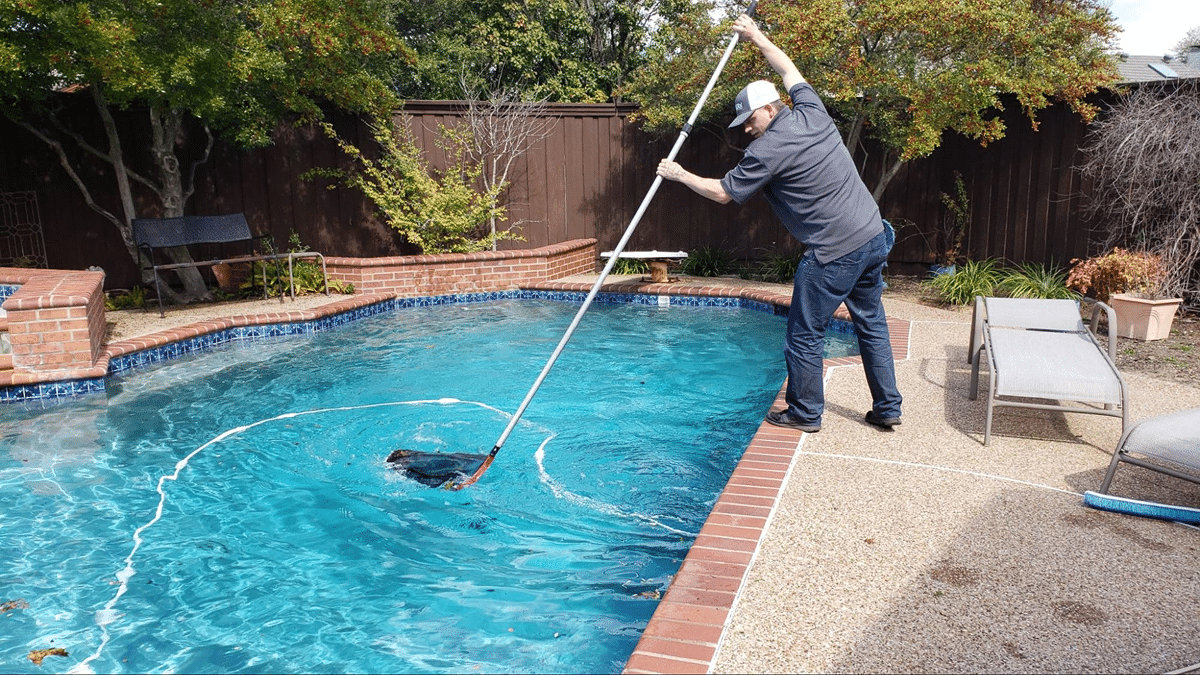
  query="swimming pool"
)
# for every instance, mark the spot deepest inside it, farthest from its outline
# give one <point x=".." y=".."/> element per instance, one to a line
<point x="231" y="511"/>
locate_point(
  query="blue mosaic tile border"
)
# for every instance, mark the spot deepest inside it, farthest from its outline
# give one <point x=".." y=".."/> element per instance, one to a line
<point x="6" y="291"/>
<point x="46" y="391"/>
<point x="128" y="362"/>
<point x="146" y="357"/>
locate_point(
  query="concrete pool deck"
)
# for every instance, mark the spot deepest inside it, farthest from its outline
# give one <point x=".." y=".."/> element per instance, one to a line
<point x="921" y="550"/>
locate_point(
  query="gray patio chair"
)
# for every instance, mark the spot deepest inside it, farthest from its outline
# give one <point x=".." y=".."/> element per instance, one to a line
<point x="1168" y="444"/>
<point x="1041" y="349"/>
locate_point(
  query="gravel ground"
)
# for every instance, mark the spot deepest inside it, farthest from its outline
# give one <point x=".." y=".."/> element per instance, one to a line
<point x="921" y="550"/>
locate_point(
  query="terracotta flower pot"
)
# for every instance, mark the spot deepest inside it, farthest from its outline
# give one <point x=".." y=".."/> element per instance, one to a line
<point x="1144" y="318"/>
<point x="230" y="277"/>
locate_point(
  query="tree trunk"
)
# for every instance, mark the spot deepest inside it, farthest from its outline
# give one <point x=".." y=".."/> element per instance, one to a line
<point x="890" y="169"/>
<point x="891" y="160"/>
<point x="116" y="157"/>
<point x="165" y="130"/>
<point x="170" y="193"/>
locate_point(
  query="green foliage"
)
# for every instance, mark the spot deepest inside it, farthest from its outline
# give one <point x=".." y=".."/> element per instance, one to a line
<point x="955" y="222"/>
<point x="986" y="278"/>
<point x="630" y="266"/>
<point x="900" y="71"/>
<point x="554" y="50"/>
<point x="1032" y="280"/>
<point x="707" y="261"/>
<point x="238" y="68"/>
<point x="679" y="63"/>
<point x="24" y="261"/>
<point x="125" y="299"/>
<point x="438" y="211"/>
<point x="778" y="269"/>
<point x="307" y="277"/>
<point x="970" y="279"/>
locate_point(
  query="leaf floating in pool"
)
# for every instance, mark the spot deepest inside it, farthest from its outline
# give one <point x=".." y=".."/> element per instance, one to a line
<point x="10" y="605"/>
<point x="38" y="654"/>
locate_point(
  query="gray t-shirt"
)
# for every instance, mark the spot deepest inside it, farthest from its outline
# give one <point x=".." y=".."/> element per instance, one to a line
<point x="809" y="178"/>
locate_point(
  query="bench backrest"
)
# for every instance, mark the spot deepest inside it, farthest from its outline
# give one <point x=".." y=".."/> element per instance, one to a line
<point x="159" y="232"/>
<point x="167" y="232"/>
<point x="218" y="229"/>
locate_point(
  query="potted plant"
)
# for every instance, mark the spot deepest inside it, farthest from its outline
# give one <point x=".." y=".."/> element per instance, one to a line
<point x="1131" y="283"/>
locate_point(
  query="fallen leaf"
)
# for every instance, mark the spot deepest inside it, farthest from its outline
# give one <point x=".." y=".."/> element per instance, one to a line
<point x="38" y="654"/>
<point x="10" y="605"/>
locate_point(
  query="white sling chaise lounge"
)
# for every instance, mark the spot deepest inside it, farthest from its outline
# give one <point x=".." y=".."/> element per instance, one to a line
<point x="1168" y="444"/>
<point x="1040" y="349"/>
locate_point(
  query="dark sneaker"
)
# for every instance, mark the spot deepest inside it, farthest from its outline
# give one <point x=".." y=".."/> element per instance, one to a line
<point x="882" y="422"/>
<point x="781" y="418"/>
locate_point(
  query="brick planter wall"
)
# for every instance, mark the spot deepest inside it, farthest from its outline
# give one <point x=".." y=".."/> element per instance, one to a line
<point x="452" y="273"/>
<point x="56" y="318"/>
<point x="56" y="325"/>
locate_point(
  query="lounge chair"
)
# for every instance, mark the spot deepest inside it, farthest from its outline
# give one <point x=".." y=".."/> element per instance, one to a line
<point x="1167" y="444"/>
<point x="1041" y="349"/>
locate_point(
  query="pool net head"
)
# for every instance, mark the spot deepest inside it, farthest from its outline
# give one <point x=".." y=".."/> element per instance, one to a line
<point x="450" y="470"/>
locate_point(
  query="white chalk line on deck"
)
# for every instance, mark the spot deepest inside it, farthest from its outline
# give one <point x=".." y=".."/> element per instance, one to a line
<point x="936" y="467"/>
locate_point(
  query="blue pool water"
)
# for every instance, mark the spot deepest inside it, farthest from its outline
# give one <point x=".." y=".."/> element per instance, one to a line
<point x="231" y="511"/>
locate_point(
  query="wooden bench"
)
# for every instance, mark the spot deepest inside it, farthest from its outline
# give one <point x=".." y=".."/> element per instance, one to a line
<point x="151" y="234"/>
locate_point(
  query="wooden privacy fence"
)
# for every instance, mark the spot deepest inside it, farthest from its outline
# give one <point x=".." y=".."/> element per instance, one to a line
<point x="584" y="180"/>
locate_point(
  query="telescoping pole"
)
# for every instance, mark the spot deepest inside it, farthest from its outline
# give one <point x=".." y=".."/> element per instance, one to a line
<point x="587" y="302"/>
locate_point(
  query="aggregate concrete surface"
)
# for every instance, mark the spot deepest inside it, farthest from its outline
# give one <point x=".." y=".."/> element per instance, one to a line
<point x="922" y="550"/>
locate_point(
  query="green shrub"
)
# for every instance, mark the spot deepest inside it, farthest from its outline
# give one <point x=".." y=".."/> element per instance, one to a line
<point x="125" y="299"/>
<point x="631" y="266"/>
<point x="1032" y="280"/>
<point x="779" y="269"/>
<point x="975" y="277"/>
<point x="707" y="261"/>
<point x="306" y="273"/>
<point x="440" y="211"/>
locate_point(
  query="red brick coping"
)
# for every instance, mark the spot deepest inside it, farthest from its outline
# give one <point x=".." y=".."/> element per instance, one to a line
<point x="450" y="273"/>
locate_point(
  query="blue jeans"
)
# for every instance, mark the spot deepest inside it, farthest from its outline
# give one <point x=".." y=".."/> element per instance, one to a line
<point x="857" y="280"/>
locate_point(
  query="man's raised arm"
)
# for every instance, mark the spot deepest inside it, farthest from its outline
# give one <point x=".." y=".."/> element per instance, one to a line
<point x="780" y="62"/>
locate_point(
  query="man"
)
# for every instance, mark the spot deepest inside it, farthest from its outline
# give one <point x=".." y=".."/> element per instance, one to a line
<point x="799" y="161"/>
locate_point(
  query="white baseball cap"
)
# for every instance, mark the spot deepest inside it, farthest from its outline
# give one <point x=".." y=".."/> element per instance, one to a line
<point x="752" y="97"/>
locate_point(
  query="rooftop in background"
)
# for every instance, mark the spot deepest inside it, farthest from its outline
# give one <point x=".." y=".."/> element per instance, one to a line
<point x="1140" y="69"/>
